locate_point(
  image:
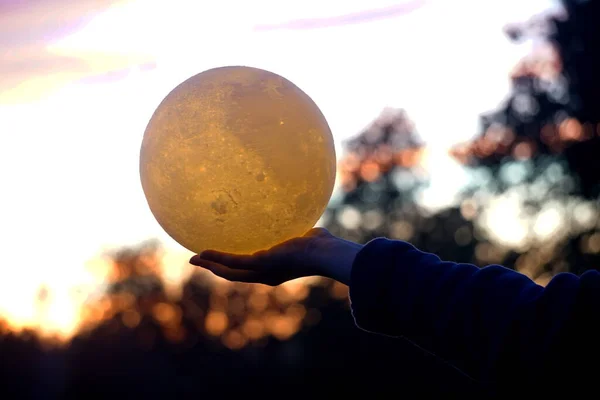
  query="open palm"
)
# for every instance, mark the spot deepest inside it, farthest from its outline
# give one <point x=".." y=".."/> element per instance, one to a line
<point x="316" y="253"/>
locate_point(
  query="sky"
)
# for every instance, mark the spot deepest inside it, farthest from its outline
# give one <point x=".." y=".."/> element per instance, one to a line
<point x="79" y="81"/>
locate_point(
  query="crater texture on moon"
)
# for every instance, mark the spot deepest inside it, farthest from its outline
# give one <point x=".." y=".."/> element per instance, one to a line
<point x="237" y="159"/>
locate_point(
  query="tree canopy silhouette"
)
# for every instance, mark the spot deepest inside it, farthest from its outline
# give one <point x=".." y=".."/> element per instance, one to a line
<point x="540" y="148"/>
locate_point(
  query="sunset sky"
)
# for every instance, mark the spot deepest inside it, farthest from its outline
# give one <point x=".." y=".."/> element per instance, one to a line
<point x="79" y="81"/>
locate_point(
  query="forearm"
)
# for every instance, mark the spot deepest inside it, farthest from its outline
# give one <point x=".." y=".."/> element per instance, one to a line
<point x="489" y="322"/>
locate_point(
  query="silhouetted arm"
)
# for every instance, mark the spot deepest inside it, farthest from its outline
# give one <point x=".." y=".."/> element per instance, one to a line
<point x="494" y="324"/>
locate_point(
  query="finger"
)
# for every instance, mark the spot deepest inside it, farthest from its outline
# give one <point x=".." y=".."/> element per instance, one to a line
<point x="233" y="261"/>
<point x="235" y="275"/>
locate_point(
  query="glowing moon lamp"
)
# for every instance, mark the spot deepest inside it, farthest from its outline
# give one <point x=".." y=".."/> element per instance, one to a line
<point x="237" y="159"/>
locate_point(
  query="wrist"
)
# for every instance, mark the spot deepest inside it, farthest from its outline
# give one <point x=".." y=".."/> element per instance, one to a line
<point x="340" y="258"/>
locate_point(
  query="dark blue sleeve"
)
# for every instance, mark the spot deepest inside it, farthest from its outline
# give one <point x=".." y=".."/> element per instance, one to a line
<point x="495" y="324"/>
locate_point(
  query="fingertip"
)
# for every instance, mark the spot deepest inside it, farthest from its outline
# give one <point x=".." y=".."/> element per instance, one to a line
<point x="227" y="273"/>
<point x="197" y="260"/>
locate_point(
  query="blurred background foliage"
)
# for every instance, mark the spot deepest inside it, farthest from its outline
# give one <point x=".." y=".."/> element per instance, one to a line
<point x="539" y="153"/>
<point x="535" y="163"/>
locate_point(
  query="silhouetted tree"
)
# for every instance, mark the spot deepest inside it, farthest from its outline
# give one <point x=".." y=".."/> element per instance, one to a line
<point x="541" y="145"/>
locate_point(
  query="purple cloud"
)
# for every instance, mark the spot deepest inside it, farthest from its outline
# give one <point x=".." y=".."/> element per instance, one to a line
<point x="346" y="19"/>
